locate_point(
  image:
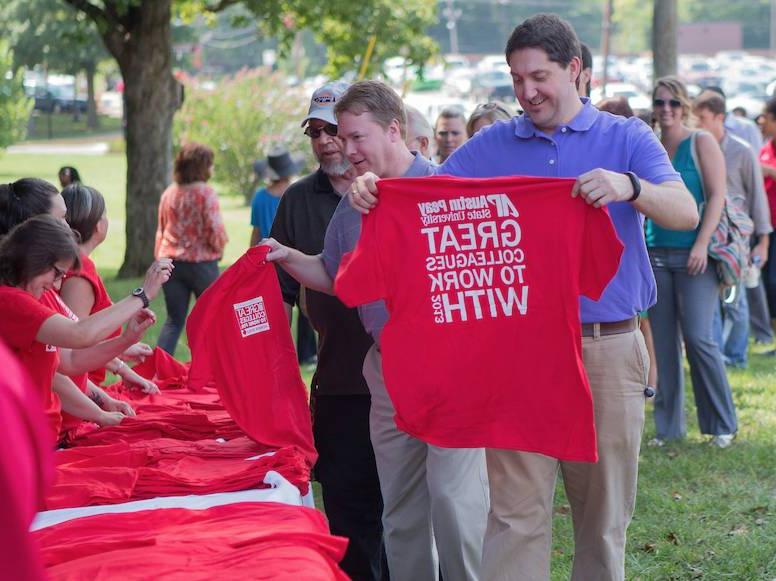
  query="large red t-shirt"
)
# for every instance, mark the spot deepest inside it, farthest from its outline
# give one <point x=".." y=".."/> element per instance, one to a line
<point x="241" y="341"/>
<point x="482" y="279"/>
<point x="21" y="316"/>
<point x="102" y="301"/>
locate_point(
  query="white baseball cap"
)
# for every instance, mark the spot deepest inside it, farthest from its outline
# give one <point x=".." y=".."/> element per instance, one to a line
<point x="323" y="101"/>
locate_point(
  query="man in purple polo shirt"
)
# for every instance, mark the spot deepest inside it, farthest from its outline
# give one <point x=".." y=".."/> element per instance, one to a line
<point x="618" y="163"/>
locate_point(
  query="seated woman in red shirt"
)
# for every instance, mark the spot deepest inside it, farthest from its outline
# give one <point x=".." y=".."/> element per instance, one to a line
<point x="84" y="291"/>
<point x="34" y="257"/>
<point x="29" y="197"/>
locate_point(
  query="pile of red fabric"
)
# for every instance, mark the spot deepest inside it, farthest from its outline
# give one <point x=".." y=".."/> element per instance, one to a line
<point x="121" y="474"/>
<point x="222" y="432"/>
<point x="234" y="541"/>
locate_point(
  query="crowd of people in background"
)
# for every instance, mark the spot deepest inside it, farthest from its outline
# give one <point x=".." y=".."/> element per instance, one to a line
<point x="680" y="171"/>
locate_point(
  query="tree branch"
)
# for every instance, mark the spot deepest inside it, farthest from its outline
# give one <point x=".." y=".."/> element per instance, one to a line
<point x="220" y="5"/>
<point x="99" y="16"/>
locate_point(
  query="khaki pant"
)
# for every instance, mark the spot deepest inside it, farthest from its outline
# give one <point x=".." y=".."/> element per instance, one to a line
<point x="435" y="499"/>
<point x="518" y="540"/>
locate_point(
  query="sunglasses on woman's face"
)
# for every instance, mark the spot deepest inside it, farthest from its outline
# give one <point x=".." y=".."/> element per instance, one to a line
<point x="315" y="132"/>
<point x="659" y="103"/>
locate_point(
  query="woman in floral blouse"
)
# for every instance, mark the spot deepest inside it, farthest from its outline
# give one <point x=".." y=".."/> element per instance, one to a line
<point x="191" y="232"/>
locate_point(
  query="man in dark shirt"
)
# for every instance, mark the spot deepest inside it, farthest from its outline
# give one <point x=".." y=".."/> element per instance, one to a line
<point x="340" y="397"/>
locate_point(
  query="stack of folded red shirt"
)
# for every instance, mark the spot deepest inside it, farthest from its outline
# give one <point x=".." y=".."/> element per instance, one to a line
<point x="261" y="540"/>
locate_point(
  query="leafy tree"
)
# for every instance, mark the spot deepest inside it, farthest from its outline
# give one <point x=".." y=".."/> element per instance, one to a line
<point x="53" y="34"/>
<point x="250" y="114"/>
<point x="137" y="35"/>
<point x="15" y="107"/>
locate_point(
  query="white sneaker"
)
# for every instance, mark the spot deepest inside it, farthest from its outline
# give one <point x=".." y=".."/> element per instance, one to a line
<point x="656" y="443"/>
<point x="722" y="440"/>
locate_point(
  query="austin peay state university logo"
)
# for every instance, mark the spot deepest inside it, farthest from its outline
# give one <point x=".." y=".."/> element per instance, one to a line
<point x="251" y="316"/>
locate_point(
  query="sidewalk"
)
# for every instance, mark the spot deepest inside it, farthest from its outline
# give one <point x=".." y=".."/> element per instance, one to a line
<point x="94" y="148"/>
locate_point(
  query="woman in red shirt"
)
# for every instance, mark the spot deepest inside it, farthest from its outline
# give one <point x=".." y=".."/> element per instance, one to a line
<point x="768" y="164"/>
<point x="191" y="233"/>
<point x="84" y="291"/>
<point x="34" y="256"/>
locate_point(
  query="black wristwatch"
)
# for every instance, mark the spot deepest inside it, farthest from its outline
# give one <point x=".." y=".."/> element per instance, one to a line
<point x="636" y="183"/>
<point x="139" y="292"/>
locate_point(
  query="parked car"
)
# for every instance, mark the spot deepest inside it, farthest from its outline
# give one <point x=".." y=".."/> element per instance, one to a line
<point x="492" y="85"/>
<point x="58" y="99"/>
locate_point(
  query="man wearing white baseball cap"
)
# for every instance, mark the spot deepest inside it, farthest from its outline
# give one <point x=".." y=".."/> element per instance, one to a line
<point x="340" y="398"/>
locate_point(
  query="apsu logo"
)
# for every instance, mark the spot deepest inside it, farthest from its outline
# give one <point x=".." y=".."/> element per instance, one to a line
<point x="504" y="206"/>
<point x="251" y="316"/>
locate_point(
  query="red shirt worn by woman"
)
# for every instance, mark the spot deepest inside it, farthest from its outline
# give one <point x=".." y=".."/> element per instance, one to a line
<point x="21" y="317"/>
<point x="102" y="301"/>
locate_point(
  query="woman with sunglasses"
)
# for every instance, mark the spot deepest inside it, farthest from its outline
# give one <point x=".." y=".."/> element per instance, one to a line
<point x="487" y="114"/>
<point x="687" y="283"/>
<point x="31" y="197"/>
<point x="35" y="324"/>
<point x="191" y="233"/>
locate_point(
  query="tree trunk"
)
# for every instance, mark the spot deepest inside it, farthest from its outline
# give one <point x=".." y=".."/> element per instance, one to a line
<point x="92" y="121"/>
<point x="151" y="99"/>
<point x="665" y="28"/>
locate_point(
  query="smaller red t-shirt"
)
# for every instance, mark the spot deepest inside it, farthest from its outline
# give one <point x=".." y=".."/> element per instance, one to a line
<point x="22" y="317"/>
<point x="102" y="301"/>
<point x="240" y="340"/>
<point x="768" y="157"/>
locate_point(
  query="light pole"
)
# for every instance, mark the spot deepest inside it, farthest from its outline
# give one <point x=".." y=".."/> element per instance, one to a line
<point x="453" y="14"/>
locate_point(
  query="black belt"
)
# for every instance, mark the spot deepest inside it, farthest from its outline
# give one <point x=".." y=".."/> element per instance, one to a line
<point x="615" y="328"/>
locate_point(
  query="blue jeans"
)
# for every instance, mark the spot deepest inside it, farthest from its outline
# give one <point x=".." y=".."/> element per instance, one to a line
<point x="685" y="310"/>
<point x="187" y="278"/>
<point x="731" y="329"/>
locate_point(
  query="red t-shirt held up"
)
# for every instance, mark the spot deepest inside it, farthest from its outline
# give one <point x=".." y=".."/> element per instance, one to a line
<point x="482" y="279"/>
<point x="241" y="341"/>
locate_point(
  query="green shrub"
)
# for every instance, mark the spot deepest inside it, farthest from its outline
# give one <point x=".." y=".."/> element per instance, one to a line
<point x="15" y="106"/>
<point x="242" y="119"/>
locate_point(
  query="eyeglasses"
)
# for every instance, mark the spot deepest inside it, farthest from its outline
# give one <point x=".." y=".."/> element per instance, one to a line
<point x="315" y="132"/>
<point x="659" y="103"/>
<point x="59" y="274"/>
<point x="491" y="107"/>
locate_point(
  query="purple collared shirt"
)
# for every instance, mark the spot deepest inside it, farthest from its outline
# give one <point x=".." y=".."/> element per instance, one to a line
<point x="593" y="139"/>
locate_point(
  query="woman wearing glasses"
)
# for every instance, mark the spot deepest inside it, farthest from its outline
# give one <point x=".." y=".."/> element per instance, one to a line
<point x="35" y="254"/>
<point x="687" y="283"/>
<point x="487" y="114"/>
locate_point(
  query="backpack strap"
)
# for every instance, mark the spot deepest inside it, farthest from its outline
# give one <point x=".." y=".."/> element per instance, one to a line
<point x="696" y="160"/>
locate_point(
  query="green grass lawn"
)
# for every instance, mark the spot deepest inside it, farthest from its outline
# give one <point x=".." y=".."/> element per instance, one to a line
<point x="64" y="126"/>
<point x="701" y="513"/>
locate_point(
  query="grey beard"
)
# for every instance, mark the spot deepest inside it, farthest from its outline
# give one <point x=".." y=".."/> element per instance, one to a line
<point x="335" y="168"/>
